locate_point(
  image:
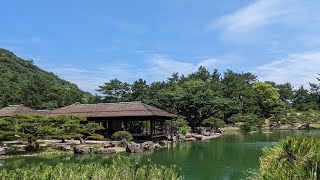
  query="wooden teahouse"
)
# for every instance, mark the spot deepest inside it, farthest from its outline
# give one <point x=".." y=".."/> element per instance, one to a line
<point x="16" y="109"/>
<point x="141" y="120"/>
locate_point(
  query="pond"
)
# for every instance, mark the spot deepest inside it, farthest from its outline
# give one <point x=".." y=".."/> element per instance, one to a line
<point x="228" y="157"/>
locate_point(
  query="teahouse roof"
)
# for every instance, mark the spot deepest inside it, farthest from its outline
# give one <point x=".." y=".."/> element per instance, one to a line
<point x="122" y="109"/>
<point x="16" y="109"/>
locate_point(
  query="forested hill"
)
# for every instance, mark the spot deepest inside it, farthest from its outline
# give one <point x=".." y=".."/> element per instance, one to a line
<point x="22" y="82"/>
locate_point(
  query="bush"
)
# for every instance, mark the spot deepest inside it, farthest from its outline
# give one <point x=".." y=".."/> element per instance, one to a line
<point x="254" y="128"/>
<point x="119" y="135"/>
<point x="33" y="147"/>
<point x="213" y="122"/>
<point x="184" y="130"/>
<point x="293" y="158"/>
<point x="120" y="168"/>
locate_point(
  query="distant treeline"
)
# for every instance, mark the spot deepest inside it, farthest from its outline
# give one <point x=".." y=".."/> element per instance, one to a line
<point x="230" y="97"/>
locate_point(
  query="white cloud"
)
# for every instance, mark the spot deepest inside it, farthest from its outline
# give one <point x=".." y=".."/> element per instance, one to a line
<point x="163" y="67"/>
<point x="263" y="13"/>
<point x="298" y="69"/>
<point x="156" y="68"/>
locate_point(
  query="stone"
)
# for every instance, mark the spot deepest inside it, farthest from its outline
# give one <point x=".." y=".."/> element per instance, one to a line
<point x="65" y="147"/>
<point x="157" y="145"/>
<point x="123" y="143"/>
<point x="3" y="150"/>
<point x="133" y="147"/>
<point x="191" y="139"/>
<point x="181" y="137"/>
<point x="105" y="151"/>
<point x="198" y="136"/>
<point x="163" y="143"/>
<point x="84" y="150"/>
<point x="148" y="145"/>
<point x="201" y="130"/>
<point x="206" y="134"/>
<point x="174" y="138"/>
<point x="106" y="144"/>
<point x="189" y="135"/>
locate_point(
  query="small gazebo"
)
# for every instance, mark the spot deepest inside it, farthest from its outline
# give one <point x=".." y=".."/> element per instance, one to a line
<point x="140" y="119"/>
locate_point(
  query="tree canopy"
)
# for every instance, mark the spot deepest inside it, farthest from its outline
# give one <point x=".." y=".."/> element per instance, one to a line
<point x="22" y="82"/>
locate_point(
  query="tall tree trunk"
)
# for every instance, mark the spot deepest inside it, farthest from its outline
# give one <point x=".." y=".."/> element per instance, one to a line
<point x="63" y="140"/>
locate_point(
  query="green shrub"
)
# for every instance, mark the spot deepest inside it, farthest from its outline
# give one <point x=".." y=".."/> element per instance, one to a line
<point x="254" y="128"/>
<point x="120" y="168"/>
<point x="119" y="135"/>
<point x="294" y="158"/>
<point x="33" y="147"/>
<point x="184" y="130"/>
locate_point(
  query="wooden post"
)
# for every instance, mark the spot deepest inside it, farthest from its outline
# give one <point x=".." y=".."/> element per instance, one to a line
<point x="151" y="127"/>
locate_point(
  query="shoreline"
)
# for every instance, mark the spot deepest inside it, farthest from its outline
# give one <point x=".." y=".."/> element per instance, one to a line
<point x="51" y="148"/>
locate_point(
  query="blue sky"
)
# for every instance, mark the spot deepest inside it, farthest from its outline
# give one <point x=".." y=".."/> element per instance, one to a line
<point x="91" y="42"/>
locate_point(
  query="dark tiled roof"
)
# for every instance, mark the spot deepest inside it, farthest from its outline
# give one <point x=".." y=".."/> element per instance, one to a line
<point x="123" y="109"/>
<point x="16" y="109"/>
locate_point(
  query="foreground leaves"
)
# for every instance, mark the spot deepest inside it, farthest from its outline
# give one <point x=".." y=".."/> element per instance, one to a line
<point x="120" y="168"/>
<point x="294" y="158"/>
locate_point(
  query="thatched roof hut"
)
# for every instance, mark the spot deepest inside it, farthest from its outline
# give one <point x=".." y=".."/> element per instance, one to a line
<point x="140" y="119"/>
<point x="111" y="110"/>
<point x="16" y="109"/>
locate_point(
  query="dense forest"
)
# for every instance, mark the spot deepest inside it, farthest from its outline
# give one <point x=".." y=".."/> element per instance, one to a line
<point x="22" y="82"/>
<point x="201" y="97"/>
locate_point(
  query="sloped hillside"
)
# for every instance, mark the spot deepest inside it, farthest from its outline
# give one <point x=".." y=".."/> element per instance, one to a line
<point x="22" y="82"/>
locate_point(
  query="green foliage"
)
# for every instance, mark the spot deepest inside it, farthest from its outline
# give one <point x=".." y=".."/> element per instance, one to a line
<point x="294" y="158"/>
<point x="184" y="130"/>
<point x="120" y="168"/>
<point x="33" y="127"/>
<point x="115" y="91"/>
<point x="213" y="122"/>
<point x="246" y="118"/>
<point x="22" y="82"/>
<point x="26" y="127"/>
<point x="178" y="124"/>
<point x="32" y="147"/>
<point x="267" y="97"/>
<point x="122" y="135"/>
<point x="73" y="126"/>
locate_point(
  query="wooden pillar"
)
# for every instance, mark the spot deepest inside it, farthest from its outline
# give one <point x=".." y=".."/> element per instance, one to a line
<point x="151" y="127"/>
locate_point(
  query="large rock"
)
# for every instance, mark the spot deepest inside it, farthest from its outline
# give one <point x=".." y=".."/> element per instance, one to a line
<point x="66" y="147"/>
<point x="106" y="144"/>
<point x="105" y="151"/>
<point x="133" y="147"/>
<point x="201" y="130"/>
<point x="163" y="143"/>
<point x="174" y="138"/>
<point x="189" y="135"/>
<point x="191" y="139"/>
<point x="84" y="150"/>
<point x="157" y="145"/>
<point x="198" y="136"/>
<point x="181" y="137"/>
<point x="206" y="133"/>
<point x="148" y="145"/>
<point x="3" y="150"/>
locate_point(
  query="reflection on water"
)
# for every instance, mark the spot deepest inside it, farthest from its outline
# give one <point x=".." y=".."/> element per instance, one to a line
<point x="228" y="157"/>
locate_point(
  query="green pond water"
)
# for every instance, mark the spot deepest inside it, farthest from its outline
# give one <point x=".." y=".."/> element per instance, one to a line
<point x="227" y="157"/>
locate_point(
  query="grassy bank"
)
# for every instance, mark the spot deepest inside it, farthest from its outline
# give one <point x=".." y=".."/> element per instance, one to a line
<point x="120" y="168"/>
